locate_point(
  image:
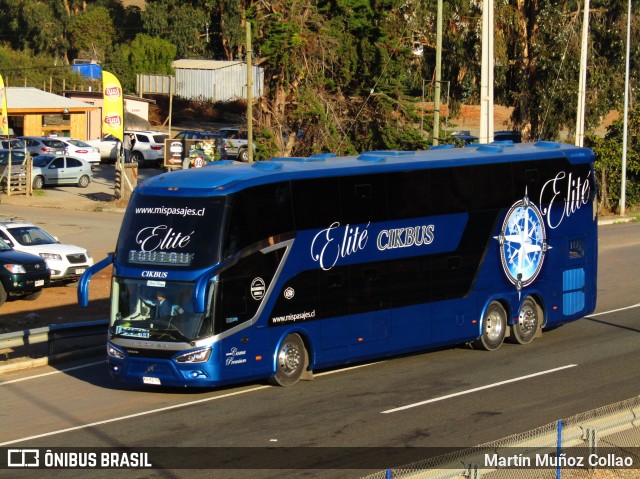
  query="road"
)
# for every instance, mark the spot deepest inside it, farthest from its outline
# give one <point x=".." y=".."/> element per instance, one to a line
<point x="453" y="397"/>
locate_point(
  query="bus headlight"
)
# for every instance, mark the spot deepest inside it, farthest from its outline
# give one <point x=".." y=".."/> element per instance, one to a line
<point x="114" y="352"/>
<point x="197" y="356"/>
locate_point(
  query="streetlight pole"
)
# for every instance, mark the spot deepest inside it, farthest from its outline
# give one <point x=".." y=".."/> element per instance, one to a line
<point x="436" y="101"/>
<point x="249" y="94"/>
<point x="623" y="180"/>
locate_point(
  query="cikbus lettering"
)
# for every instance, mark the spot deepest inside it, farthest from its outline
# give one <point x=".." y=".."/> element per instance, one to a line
<point x="565" y="195"/>
<point x="336" y="242"/>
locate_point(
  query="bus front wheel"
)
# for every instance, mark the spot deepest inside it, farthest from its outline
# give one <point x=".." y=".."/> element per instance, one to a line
<point x="494" y="328"/>
<point x="524" y="330"/>
<point x="291" y="361"/>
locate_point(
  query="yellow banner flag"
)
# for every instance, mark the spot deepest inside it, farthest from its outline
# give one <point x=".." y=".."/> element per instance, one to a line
<point x="4" y="118"/>
<point x="113" y="106"/>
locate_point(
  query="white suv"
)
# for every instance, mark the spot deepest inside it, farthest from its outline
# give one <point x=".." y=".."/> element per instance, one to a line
<point x="67" y="262"/>
<point x="235" y="143"/>
<point x="148" y="146"/>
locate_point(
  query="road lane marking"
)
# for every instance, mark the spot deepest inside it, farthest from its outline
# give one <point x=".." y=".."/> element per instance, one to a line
<point x="132" y="416"/>
<point x="469" y="391"/>
<point x="613" y="311"/>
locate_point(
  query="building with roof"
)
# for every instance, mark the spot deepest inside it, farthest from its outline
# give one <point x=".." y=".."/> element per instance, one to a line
<point x="215" y="80"/>
<point x="38" y="113"/>
<point x="136" y="111"/>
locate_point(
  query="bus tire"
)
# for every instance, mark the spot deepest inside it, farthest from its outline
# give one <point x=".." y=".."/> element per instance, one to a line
<point x="494" y="328"/>
<point x="292" y="360"/>
<point x="524" y="330"/>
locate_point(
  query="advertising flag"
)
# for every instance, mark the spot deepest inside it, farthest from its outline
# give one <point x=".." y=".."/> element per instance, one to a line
<point x="4" y="119"/>
<point x="113" y="107"/>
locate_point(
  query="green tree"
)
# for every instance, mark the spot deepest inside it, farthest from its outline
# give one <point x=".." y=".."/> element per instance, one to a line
<point x="182" y="23"/>
<point x="92" y="34"/>
<point x="608" y="151"/>
<point x="145" y="54"/>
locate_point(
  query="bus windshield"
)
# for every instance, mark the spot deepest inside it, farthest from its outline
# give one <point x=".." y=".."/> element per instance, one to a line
<point x="175" y="233"/>
<point x="157" y="310"/>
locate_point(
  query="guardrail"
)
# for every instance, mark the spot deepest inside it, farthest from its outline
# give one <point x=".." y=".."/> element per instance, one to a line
<point x="604" y="440"/>
<point x="51" y="341"/>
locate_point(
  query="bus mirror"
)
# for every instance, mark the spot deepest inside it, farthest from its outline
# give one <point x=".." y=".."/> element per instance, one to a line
<point x="85" y="279"/>
<point x="200" y="290"/>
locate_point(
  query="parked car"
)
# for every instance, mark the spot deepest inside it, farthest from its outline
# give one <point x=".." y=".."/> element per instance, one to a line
<point x="66" y="262"/>
<point x="234" y="142"/>
<point x="108" y="145"/>
<point x="21" y="274"/>
<point x="18" y="157"/>
<point x="197" y="135"/>
<point x="148" y="146"/>
<point x="12" y="143"/>
<point x="508" y="135"/>
<point x="60" y="170"/>
<point x="464" y="137"/>
<point x="80" y="149"/>
<point x="42" y="145"/>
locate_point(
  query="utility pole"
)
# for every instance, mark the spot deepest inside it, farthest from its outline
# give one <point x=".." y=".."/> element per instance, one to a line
<point x="436" y="100"/>
<point x="623" y="180"/>
<point x="249" y="94"/>
<point x="582" y="83"/>
<point x="486" y="80"/>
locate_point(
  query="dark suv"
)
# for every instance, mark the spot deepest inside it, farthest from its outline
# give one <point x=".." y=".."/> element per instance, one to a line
<point x="21" y="274"/>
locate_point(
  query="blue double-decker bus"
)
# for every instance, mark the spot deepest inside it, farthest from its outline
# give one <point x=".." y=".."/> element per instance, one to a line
<point x="238" y="272"/>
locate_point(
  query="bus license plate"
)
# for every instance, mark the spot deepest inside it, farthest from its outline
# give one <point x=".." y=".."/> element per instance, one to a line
<point x="148" y="380"/>
<point x="38" y="282"/>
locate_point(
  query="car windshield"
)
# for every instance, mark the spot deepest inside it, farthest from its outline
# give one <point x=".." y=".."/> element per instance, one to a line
<point x="17" y="157"/>
<point x="157" y="310"/>
<point x="54" y="144"/>
<point x="42" y="161"/>
<point x="31" y="235"/>
<point x="79" y="143"/>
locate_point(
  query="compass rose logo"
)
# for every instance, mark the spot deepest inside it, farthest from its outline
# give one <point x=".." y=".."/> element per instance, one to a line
<point x="523" y="243"/>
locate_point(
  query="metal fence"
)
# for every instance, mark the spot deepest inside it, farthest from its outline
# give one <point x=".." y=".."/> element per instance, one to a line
<point x="600" y="444"/>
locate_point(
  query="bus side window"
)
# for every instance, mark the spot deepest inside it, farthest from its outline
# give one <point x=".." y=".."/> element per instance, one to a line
<point x="316" y="203"/>
<point x="257" y="214"/>
<point x="364" y="198"/>
<point x="242" y="287"/>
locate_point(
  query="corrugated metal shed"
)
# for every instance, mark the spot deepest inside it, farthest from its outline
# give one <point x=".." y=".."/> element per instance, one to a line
<point x="216" y="80"/>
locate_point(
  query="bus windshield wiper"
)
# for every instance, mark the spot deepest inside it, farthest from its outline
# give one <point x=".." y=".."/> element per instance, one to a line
<point x="177" y="334"/>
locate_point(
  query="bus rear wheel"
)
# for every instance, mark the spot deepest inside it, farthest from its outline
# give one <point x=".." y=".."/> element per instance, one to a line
<point x="524" y="330"/>
<point x="494" y="328"/>
<point x="291" y="361"/>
